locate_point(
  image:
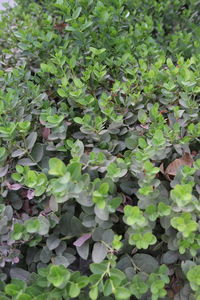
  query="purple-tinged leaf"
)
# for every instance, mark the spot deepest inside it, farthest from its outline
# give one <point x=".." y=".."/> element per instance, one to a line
<point x="80" y="241"/>
<point x="45" y="133"/>
<point x="30" y="194"/>
<point x="3" y="171"/>
<point x="13" y="187"/>
<point x="15" y="260"/>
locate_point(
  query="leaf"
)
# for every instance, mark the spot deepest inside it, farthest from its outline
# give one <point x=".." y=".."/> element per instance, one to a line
<point x="93" y="293"/>
<point x="20" y="273"/>
<point x="30" y="140"/>
<point x="102" y="214"/>
<point x="77" y="12"/>
<point x="99" y="252"/>
<point x="30" y="194"/>
<point x="117" y="276"/>
<point x="18" y="231"/>
<point x="122" y="293"/>
<point x="80" y="241"/>
<point x="18" y="152"/>
<point x="171" y="170"/>
<point x="62" y="260"/>
<point x="32" y="225"/>
<point x="37" y="152"/>
<point x="45" y="255"/>
<point x="170" y="257"/>
<point x="76" y="226"/>
<point x="97" y="268"/>
<point x="53" y="242"/>
<point x="53" y="205"/>
<point x="145" y="262"/>
<point x="86" y="25"/>
<point x="107" y="289"/>
<point x="75" y="170"/>
<point x="108" y="236"/>
<point x="74" y="290"/>
<point x="44" y="225"/>
<point x="56" y="167"/>
<point x="46" y="132"/>
<point x="13" y="289"/>
<point x="58" y="275"/>
<point x="83" y="250"/>
<point x="60" y="26"/>
<point x="14" y="187"/>
<point x="26" y="162"/>
<point x="4" y="171"/>
<point x="62" y="93"/>
<point x="142" y="116"/>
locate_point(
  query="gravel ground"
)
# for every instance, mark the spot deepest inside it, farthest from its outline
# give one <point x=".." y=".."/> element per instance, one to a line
<point x="11" y="2"/>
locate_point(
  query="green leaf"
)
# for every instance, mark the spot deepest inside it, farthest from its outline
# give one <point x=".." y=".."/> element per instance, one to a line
<point x="138" y="286"/>
<point x="117" y="276"/>
<point x="142" y="241"/>
<point x="55" y="119"/>
<point x="193" y="275"/>
<point x="31" y="179"/>
<point x="98" y="268"/>
<point x="142" y="116"/>
<point x="184" y="224"/>
<point x="182" y="194"/>
<point x="19" y="169"/>
<point x="13" y="289"/>
<point x="107" y="288"/>
<point x="75" y="170"/>
<point x="122" y="293"/>
<point x="17" y="231"/>
<point x="83" y="281"/>
<point x="24" y="296"/>
<point x="32" y="225"/>
<point x="74" y="290"/>
<point x="56" y="167"/>
<point x="93" y="293"/>
<point x="104" y="188"/>
<point x="58" y="276"/>
<point x="134" y="216"/>
<point x="62" y="93"/>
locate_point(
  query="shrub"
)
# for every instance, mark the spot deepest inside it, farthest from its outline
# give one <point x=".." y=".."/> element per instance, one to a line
<point x="99" y="153"/>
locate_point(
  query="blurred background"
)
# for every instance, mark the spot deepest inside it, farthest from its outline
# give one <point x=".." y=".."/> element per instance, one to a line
<point x="11" y="3"/>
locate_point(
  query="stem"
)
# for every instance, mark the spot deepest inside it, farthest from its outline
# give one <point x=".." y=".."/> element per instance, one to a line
<point x="28" y="153"/>
<point x="107" y="246"/>
<point x="107" y="271"/>
<point x="136" y="268"/>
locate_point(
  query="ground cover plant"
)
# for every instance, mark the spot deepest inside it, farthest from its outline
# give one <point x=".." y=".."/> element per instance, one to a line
<point x="99" y="150"/>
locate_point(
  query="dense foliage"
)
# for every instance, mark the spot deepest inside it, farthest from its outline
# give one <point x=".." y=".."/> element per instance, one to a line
<point x="99" y="150"/>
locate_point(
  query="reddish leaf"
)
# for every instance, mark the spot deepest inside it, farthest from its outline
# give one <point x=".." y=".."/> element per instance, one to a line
<point x="146" y="126"/>
<point x="171" y="170"/>
<point x="60" y="26"/>
<point x="15" y="260"/>
<point x="30" y="194"/>
<point x="80" y="241"/>
<point x="45" y="133"/>
<point x="13" y="187"/>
